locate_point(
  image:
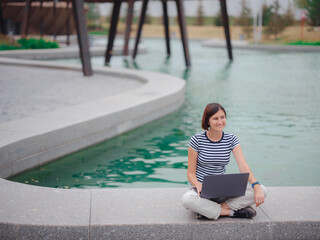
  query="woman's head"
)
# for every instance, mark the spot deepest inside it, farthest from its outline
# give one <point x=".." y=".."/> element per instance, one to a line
<point x="210" y="110"/>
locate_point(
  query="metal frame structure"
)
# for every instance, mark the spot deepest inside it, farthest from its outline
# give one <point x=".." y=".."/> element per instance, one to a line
<point x="80" y="22"/>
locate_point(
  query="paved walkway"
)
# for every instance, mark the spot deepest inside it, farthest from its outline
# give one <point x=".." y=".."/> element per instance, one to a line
<point x="28" y="91"/>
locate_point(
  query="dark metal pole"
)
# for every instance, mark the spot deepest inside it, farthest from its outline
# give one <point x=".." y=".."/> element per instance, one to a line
<point x="128" y="27"/>
<point x="68" y="22"/>
<point x="183" y="31"/>
<point x="166" y="26"/>
<point x="41" y="19"/>
<point x="112" y="30"/>
<point x="80" y="22"/>
<point x="25" y="18"/>
<point x="2" y="21"/>
<point x="225" y="21"/>
<point x="141" y="21"/>
<point x="54" y="20"/>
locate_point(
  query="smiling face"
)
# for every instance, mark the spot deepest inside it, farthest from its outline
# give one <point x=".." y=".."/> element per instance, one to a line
<point x="217" y="121"/>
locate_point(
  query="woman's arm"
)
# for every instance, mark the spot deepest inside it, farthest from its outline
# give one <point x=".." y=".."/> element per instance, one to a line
<point x="244" y="168"/>
<point x="192" y="166"/>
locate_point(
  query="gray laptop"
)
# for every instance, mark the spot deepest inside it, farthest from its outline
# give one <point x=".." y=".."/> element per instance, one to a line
<point x="226" y="185"/>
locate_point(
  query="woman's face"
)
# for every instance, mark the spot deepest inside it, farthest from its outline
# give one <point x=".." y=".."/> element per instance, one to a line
<point x="217" y="121"/>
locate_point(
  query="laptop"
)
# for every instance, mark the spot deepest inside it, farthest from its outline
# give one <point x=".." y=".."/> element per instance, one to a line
<point x="226" y="185"/>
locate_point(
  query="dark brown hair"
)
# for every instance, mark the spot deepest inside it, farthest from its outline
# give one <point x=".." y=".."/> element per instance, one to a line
<point x="210" y="110"/>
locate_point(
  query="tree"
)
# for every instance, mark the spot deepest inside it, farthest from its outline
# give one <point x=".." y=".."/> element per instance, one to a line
<point x="266" y="14"/>
<point x="218" y="20"/>
<point x="276" y="22"/>
<point x="93" y="15"/>
<point x="313" y="10"/>
<point x="288" y="16"/>
<point x="245" y="19"/>
<point x="199" y="21"/>
<point x="300" y="3"/>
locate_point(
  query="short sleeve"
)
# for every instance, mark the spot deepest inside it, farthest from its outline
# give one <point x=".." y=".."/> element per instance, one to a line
<point x="234" y="142"/>
<point x="193" y="143"/>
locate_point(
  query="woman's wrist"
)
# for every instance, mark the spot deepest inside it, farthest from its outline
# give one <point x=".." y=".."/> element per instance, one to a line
<point x="255" y="184"/>
<point x="257" y="188"/>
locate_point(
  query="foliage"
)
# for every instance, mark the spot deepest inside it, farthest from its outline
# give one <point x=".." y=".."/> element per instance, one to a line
<point x="218" y="20"/>
<point x="102" y="32"/>
<point x="93" y="13"/>
<point x="93" y="16"/>
<point x="316" y="43"/>
<point x="31" y="43"/>
<point x="313" y="10"/>
<point x="288" y="16"/>
<point x="148" y="18"/>
<point x="300" y="3"/>
<point x="276" y="22"/>
<point x="94" y="26"/>
<point x="245" y="19"/>
<point x="199" y="21"/>
<point x="266" y="14"/>
<point x="8" y="43"/>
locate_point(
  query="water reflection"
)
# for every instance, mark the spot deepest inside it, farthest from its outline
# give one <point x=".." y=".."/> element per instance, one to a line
<point x="151" y="159"/>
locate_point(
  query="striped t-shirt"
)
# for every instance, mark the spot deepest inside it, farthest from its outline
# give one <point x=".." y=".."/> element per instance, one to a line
<point x="213" y="157"/>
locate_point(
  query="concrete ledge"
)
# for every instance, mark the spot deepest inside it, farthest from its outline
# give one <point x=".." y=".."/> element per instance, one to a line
<point x="29" y="212"/>
<point x="32" y="141"/>
<point x="218" y="43"/>
<point x="59" y="53"/>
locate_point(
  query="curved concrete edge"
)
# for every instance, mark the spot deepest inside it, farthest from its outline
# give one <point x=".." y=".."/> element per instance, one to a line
<point x="266" y="47"/>
<point x="67" y="52"/>
<point x="30" y="212"/>
<point x="30" y="142"/>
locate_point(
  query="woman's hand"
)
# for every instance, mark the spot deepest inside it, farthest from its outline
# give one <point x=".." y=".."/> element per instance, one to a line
<point x="258" y="195"/>
<point x="199" y="188"/>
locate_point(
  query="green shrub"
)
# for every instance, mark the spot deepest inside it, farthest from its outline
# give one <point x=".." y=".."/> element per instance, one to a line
<point x="316" y="43"/>
<point x="4" y="47"/>
<point x="101" y="32"/>
<point x="30" y="43"/>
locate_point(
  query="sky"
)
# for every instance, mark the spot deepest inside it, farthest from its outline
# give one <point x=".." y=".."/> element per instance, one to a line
<point x="210" y="7"/>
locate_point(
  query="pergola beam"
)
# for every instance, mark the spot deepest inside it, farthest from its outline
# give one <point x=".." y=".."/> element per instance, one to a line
<point x="80" y="21"/>
<point x="166" y="26"/>
<point x="113" y="30"/>
<point x="26" y="18"/>
<point x="128" y="27"/>
<point x="225" y="21"/>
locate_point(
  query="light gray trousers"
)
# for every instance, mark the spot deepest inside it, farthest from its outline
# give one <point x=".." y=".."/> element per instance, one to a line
<point x="212" y="209"/>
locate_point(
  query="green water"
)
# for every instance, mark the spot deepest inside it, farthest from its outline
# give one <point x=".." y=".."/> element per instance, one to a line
<point x="273" y="105"/>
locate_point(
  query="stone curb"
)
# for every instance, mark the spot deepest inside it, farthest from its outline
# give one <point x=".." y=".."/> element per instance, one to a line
<point x="30" y="212"/>
<point x="59" y="53"/>
<point x="264" y="47"/>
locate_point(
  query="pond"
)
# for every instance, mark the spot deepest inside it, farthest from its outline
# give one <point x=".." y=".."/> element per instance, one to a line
<point x="273" y="105"/>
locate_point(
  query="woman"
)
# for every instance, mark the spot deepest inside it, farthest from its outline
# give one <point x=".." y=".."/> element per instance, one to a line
<point x="208" y="154"/>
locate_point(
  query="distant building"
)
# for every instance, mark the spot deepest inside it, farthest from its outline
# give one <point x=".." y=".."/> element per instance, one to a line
<point x="44" y="19"/>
